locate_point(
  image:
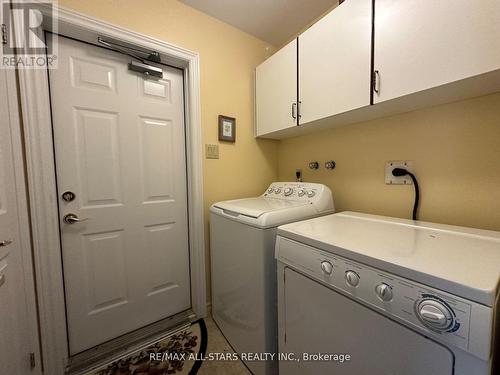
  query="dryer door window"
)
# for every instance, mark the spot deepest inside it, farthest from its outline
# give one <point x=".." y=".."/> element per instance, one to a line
<point x="319" y="320"/>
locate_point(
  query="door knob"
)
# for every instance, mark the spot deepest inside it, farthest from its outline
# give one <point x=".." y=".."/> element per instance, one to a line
<point x="5" y="243"/>
<point x="72" y="219"/>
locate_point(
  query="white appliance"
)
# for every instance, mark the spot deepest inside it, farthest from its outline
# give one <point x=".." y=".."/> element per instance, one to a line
<point x="398" y="296"/>
<point x="242" y="240"/>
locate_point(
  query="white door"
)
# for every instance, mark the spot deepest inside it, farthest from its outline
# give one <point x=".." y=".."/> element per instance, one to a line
<point x="18" y="320"/>
<point x="276" y="91"/>
<point x="420" y="44"/>
<point x="335" y="62"/>
<point x="120" y="149"/>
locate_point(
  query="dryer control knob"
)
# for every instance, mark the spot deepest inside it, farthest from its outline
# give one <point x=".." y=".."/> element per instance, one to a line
<point x="288" y="191"/>
<point x="384" y="292"/>
<point x="270" y="190"/>
<point x="301" y="193"/>
<point x="352" y="278"/>
<point x="435" y="314"/>
<point x="326" y="267"/>
<point x="311" y="193"/>
<point x="277" y="191"/>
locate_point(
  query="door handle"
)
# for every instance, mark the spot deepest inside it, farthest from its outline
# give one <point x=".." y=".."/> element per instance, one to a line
<point x="5" y="243"/>
<point x="72" y="219"/>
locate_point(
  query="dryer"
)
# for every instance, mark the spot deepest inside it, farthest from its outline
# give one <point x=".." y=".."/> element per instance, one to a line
<point x="242" y="242"/>
<point x="377" y="295"/>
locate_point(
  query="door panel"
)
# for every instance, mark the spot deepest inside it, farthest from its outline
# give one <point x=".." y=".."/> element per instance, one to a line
<point x="424" y="44"/>
<point x="92" y="75"/>
<point x="101" y="250"/>
<point x="335" y="62"/>
<point x="98" y="156"/>
<point x="120" y="147"/>
<point x="18" y="320"/>
<point x="157" y="152"/>
<point x="320" y="320"/>
<point x="276" y="90"/>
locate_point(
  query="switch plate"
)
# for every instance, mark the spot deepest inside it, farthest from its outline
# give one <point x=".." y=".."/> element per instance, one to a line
<point x="403" y="180"/>
<point x="211" y="151"/>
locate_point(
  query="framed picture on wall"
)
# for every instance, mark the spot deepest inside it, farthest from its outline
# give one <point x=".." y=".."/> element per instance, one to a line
<point x="227" y="129"/>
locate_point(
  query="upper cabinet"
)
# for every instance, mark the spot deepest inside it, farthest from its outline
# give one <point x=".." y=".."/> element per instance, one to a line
<point x="424" y="44"/>
<point x="335" y="62"/>
<point x="373" y="58"/>
<point x="276" y="91"/>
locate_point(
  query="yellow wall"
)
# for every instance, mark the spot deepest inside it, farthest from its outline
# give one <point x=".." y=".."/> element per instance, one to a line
<point x="455" y="149"/>
<point x="228" y="58"/>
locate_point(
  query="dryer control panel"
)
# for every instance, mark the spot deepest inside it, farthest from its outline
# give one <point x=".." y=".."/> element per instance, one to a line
<point x="435" y="313"/>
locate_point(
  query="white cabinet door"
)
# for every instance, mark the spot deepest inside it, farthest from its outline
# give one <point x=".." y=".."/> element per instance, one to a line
<point x="420" y="44"/>
<point x="120" y="148"/>
<point x="335" y="62"/>
<point x="276" y="91"/>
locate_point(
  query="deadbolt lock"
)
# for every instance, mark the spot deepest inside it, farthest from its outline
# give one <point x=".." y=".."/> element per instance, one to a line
<point x="68" y="196"/>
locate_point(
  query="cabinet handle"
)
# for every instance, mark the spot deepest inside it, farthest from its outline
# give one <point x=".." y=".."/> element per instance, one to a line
<point x="294" y="111"/>
<point x="376" y="81"/>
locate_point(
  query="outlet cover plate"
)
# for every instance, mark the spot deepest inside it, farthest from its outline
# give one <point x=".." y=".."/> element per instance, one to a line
<point x="211" y="151"/>
<point x="403" y="180"/>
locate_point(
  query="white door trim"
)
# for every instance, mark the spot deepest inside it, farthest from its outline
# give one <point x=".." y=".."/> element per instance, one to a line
<point x="22" y="208"/>
<point x="35" y="102"/>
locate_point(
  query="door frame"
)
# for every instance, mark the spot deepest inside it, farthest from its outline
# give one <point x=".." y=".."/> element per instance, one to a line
<point x="8" y="76"/>
<point x="41" y="176"/>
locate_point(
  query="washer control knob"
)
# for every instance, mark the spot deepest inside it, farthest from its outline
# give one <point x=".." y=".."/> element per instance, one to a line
<point x="435" y="314"/>
<point x="352" y="278"/>
<point x="288" y="191"/>
<point x="326" y="267"/>
<point x="301" y="193"/>
<point x="277" y="190"/>
<point x="384" y="292"/>
<point x="270" y="190"/>
<point x="311" y="193"/>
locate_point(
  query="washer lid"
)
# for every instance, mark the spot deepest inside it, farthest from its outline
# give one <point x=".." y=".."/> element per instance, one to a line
<point x="256" y="207"/>
<point x="462" y="261"/>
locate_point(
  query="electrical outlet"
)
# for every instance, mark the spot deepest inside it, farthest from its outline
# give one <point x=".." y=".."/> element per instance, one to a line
<point x="402" y="180"/>
<point x="211" y="151"/>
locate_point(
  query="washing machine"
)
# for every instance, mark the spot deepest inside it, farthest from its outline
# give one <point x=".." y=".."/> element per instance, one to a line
<point x="362" y="294"/>
<point x="243" y="267"/>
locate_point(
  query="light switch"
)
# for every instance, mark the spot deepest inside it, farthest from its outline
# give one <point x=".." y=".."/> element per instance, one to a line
<point x="211" y="151"/>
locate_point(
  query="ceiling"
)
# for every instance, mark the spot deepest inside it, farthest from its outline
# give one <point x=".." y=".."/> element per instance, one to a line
<point x="274" y="21"/>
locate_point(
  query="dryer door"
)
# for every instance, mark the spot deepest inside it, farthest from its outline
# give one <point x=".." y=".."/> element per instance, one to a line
<point x="320" y="320"/>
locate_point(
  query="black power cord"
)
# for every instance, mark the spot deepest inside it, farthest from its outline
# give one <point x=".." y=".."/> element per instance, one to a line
<point x="399" y="172"/>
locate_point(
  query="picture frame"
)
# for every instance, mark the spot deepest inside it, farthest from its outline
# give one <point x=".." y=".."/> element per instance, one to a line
<point x="227" y="128"/>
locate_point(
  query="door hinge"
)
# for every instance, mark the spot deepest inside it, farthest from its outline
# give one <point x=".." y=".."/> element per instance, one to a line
<point x="4" y="33"/>
<point x="32" y="360"/>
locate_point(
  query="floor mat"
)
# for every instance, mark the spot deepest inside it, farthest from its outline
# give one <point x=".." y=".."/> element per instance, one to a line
<point x="177" y="354"/>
